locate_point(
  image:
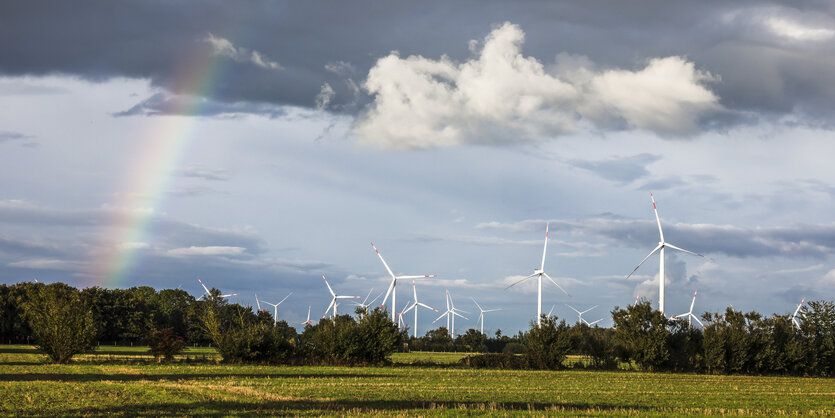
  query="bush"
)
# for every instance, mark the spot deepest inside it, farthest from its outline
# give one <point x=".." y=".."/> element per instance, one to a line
<point x="62" y="323"/>
<point x="497" y="361"/>
<point x="164" y="343"/>
<point x="245" y="339"/>
<point x="643" y="333"/>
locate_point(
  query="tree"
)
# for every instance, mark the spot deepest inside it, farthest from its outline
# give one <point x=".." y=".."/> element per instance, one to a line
<point x="164" y="343"/>
<point x="818" y="327"/>
<point x="62" y="323"/>
<point x="474" y="341"/>
<point x="547" y="345"/>
<point x="643" y="333"/>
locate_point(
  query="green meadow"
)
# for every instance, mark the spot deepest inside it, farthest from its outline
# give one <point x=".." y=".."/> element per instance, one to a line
<point x="124" y="381"/>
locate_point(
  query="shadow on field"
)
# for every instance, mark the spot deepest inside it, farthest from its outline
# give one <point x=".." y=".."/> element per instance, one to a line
<point x="351" y="406"/>
<point x="92" y="377"/>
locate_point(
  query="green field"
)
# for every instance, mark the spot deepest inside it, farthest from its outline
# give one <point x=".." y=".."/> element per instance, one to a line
<point x="95" y="385"/>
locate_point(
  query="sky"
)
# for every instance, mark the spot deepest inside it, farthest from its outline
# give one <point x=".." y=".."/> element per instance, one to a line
<point x="260" y="145"/>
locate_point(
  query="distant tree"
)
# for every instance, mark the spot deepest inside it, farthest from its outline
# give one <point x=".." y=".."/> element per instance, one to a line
<point x="547" y="345"/>
<point x="643" y="333"/>
<point x="818" y="328"/>
<point x="473" y="341"/>
<point x="713" y="343"/>
<point x="62" y="323"/>
<point x="685" y="347"/>
<point x="164" y="343"/>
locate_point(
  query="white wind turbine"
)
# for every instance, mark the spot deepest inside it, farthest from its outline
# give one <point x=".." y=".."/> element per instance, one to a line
<point x="275" y="307"/>
<point x="208" y="294"/>
<point x="539" y="273"/>
<point x="308" y="317"/>
<point x="257" y="302"/>
<point x="335" y="297"/>
<point x="400" y="322"/>
<point x="416" y="305"/>
<point x="365" y="304"/>
<point x="660" y="249"/>
<point x="450" y="313"/>
<point x="797" y="311"/>
<point x="481" y="314"/>
<point x="689" y="314"/>
<point x="394" y="278"/>
<point x="580" y="314"/>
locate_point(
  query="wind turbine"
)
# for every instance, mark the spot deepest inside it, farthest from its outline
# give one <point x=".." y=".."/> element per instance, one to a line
<point x="580" y="314"/>
<point x="660" y="249"/>
<point x="335" y="297"/>
<point x="257" y="302"/>
<point x="394" y="279"/>
<point x="450" y="313"/>
<point x="539" y="273"/>
<point x="481" y="314"/>
<point x="208" y="294"/>
<point x="36" y="280"/>
<point x="275" y="307"/>
<point x="400" y="323"/>
<point x="689" y="314"/>
<point x="415" y="306"/>
<point x="365" y="305"/>
<point x="308" y="317"/>
<point x="797" y="311"/>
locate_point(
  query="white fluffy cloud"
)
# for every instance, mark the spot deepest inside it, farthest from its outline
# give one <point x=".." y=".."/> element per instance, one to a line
<point x="502" y="96"/>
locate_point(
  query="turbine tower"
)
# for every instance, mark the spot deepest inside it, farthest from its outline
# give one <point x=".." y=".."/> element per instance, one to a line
<point x="689" y="314"/>
<point x="481" y="314"/>
<point x="539" y="273"/>
<point x="394" y="278"/>
<point x="660" y="250"/>
<point x="335" y="297"/>
<point x="275" y="307"/>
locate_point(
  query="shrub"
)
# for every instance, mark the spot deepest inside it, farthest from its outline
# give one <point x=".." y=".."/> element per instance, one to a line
<point x="164" y="343"/>
<point x="643" y="333"/>
<point x="498" y="361"/>
<point x="62" y="323"/>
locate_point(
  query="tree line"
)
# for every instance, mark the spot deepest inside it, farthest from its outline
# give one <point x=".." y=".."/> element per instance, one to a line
<point x="63" y="321"/>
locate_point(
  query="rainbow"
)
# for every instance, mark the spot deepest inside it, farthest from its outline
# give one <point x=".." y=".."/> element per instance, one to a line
<point x="148" y="178"/>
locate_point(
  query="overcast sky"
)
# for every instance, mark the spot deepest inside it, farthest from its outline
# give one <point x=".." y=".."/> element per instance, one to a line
<point x="260" y="145"/>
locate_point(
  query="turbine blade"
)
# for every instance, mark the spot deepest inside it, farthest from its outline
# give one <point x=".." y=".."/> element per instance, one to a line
<point x="681" y="249"/>
<point x="592" y="323"/>
<point x="384" y="261"/>
<point x="333" y="301"/>
<point x="693" y="302"/>
<point x="328" y="285"/>
<point x="573" y="309"/>
<point x="697" y="320"/>
<point x="285" y="298"/>
<point x="228" y="295"/>
<point x="545" y="247"/>
<point x="257" y="302"/>
<point x="476" y="304"/>
<point x="373" y="300"/>
<point x="204" y="286"/>
<point x="493" y="310"/>
<point x="414" y="289"/>
<point x="589" y="309"/>
<point x="555" y="283"/>
<point x="427" y="306"/>
<point x="442" y="315"/>
<point x="368" y="296"/>
<point x="657" y="219"/>
<point x="424" y="276"/>
<point x="520" y="281"/>
<point x="348" y="297"/>
<point x="388" y="292"/>
<point x="645" y="259"/>
<point x="462" y="316"/>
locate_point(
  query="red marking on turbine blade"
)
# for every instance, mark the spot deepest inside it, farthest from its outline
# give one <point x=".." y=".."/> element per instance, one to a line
<point x="653" y="205"/>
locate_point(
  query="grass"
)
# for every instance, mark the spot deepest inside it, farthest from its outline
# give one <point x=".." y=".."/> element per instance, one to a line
<point x="30" y="387"/>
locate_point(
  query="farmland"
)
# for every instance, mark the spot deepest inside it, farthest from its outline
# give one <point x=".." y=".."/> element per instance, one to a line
<point x="106" y="384"/>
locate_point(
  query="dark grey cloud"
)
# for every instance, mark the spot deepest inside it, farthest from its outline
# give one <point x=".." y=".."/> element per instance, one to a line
<point x="622" y="170"/>
<point x="663" y="183"/>
<point x="769" y="57"/>
<point x="18" y="247"/>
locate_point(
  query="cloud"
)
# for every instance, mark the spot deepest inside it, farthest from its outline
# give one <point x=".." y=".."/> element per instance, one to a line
<point x="164" y="103"/>
<point x="207" y="251"/>
<point x="224" y="47"/>
<point x="502" y="96"/>
<point x="216" y="174"/>
<point x="797" y="31"/>
<point x="622" y="170"/>
<point x="46" y="264"/>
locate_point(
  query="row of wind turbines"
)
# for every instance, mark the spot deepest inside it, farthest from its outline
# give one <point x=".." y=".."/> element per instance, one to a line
<point x="538" y="273"/>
